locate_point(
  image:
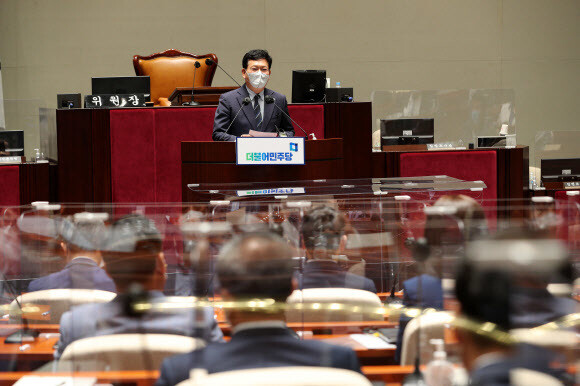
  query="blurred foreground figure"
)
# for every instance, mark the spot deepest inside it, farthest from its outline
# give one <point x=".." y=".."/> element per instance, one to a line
<point x="452" y="221"/>
<point x="323" y="234"/>
<point x="134" y="260"/>
<point x="492" y="285"/>
<point x="255" y="272"/>
<point x="82" y="241"/>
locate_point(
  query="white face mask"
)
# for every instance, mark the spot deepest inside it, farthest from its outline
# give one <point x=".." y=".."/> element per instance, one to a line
<point x="258" y="79"/>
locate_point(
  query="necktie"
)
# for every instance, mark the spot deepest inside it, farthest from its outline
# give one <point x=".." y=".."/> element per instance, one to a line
<point x="257" y="112"/>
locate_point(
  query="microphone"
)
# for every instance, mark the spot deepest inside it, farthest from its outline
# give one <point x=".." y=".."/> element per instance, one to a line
<point x="270" y="99"/>
<point x="192" y="102"/>
<point x="209" y="62"/>
<point x="245" y="102"/>
<point x="25" y="334"/>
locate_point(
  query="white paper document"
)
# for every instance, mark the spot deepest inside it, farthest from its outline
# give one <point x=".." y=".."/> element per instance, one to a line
<point x="371" y="342"/>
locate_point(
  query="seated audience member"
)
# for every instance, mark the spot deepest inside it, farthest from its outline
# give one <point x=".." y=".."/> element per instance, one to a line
<point x="82" y="242"/>
<point x="532" y="305"/>
<point x="41" y="249"/>
<point x="134" y="259"/>
<point x="323" y="234"/>
<point x="456" y="219"/>
<point x="485" y="284"/>
<point x="256" y="266"/>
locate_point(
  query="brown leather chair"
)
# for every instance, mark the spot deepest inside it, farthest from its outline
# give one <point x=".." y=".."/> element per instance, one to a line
<point x="172" y="68"/>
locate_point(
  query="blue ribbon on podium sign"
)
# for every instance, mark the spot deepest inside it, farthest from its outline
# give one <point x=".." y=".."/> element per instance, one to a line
<point x="270" y="151"/>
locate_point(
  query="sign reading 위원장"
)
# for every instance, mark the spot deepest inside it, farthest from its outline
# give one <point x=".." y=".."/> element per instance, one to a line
<point x="270" y="151"/>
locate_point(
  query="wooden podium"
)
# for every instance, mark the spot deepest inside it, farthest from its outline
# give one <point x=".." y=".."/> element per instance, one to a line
<point x="215" y="162"/>
<point x="203" y="95"/>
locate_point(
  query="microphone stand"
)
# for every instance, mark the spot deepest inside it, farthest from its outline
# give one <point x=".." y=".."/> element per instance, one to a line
<point x="25" y="334"/>
<point x="270" y="99"/>
<point x="209" y="62"/>
<point x="192" y="102"/>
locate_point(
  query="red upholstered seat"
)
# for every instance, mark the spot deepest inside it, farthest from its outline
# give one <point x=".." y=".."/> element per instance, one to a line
<point x="9" y="186"/>
<point x="465" y="165"/>
<point x="146" y="147"/>
<point x="569" y="208"/>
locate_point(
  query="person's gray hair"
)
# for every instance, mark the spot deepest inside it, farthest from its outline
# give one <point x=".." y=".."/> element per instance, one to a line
<point x="264" y="272"/>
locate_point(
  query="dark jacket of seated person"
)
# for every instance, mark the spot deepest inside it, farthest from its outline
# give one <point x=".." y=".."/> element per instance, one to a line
<point x="328" y="274"/>
<point x="80" y="242"/>
<point x="134" y="259"/>
<point x="257" y="266"/>
<point x="80" y="272"/>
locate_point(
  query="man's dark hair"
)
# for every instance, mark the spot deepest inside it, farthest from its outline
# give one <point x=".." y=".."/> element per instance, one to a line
<point x="257" y="265"/>
<point x="322" y="227"/>
<point x="256" y="55"/>
<point x="132" y="247"/>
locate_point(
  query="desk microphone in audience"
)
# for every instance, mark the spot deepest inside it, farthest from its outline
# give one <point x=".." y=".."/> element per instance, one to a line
<point x="270" y="99"/>
<point x="209" y="62"/>
<point x="25" y="334"/>
<point x="245" y="102"/>
<point x="192" y="102"/>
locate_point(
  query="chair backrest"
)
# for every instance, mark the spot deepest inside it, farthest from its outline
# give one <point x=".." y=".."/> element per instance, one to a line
<point x="127" y="351"/>
<point x="171" y="69"/>
<point x="55" y="302"/>
<point x="429" y="326"/>
<point x="281" y="376"/>
<point x="527" y="377"/>
<point x="333" y="304"/>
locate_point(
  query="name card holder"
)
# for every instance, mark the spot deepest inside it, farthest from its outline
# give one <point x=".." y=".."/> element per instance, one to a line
<point x="12" y="160"/>
<point x="270" y="151"/>
<point x="114" y="101"/>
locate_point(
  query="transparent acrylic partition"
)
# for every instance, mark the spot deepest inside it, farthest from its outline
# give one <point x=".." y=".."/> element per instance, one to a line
<point x="48" y="141"/>
<point x="460" y="116"/>
<point x="24" y="114"/>
<point x="351" y="271"/>
<point x="559" y="152"/>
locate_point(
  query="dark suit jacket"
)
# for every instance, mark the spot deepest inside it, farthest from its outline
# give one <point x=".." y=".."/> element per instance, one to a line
<point x="328" y="274"/>
<point x="257" y="348"/>
<point x="431" y="296"/>
<point x="81" y="272"/>
<point x="110" y="318"/>
<point x="525" y="356"/>
<point x="533" y="307"/>
<point x="230" y="103"/>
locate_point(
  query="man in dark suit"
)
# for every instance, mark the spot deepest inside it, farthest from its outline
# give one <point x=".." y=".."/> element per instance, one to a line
<point x="256" y="266"/>
<point x="134" y="259"/>
<point x="485" y="283"/>
<point x="254" y="102"/>
<point x="82" y="240"/>
<point x="323" y="234"/>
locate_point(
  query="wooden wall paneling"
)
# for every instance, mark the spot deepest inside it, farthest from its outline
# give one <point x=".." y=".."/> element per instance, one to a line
<point x="101" y="149"/>
<point x="34" y="182"/>
<point x="355" y="123"/>
<point x="75" y="155"/>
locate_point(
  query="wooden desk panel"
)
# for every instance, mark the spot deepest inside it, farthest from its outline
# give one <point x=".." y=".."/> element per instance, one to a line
<point x="41" y="349"/>
<point x="214" y="162"/>
<point x="391" y="375"/>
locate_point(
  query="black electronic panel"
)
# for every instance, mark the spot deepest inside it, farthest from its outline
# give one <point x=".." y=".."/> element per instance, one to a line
<point x="341" y="94"/>
<point x="308" y="86"/>
<point x="122" y="85"/>
<point x="407" y="131"/>
<point x="68" y="101"/>
<point x="565" y="169"/>
<point x="11" y="143"/>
